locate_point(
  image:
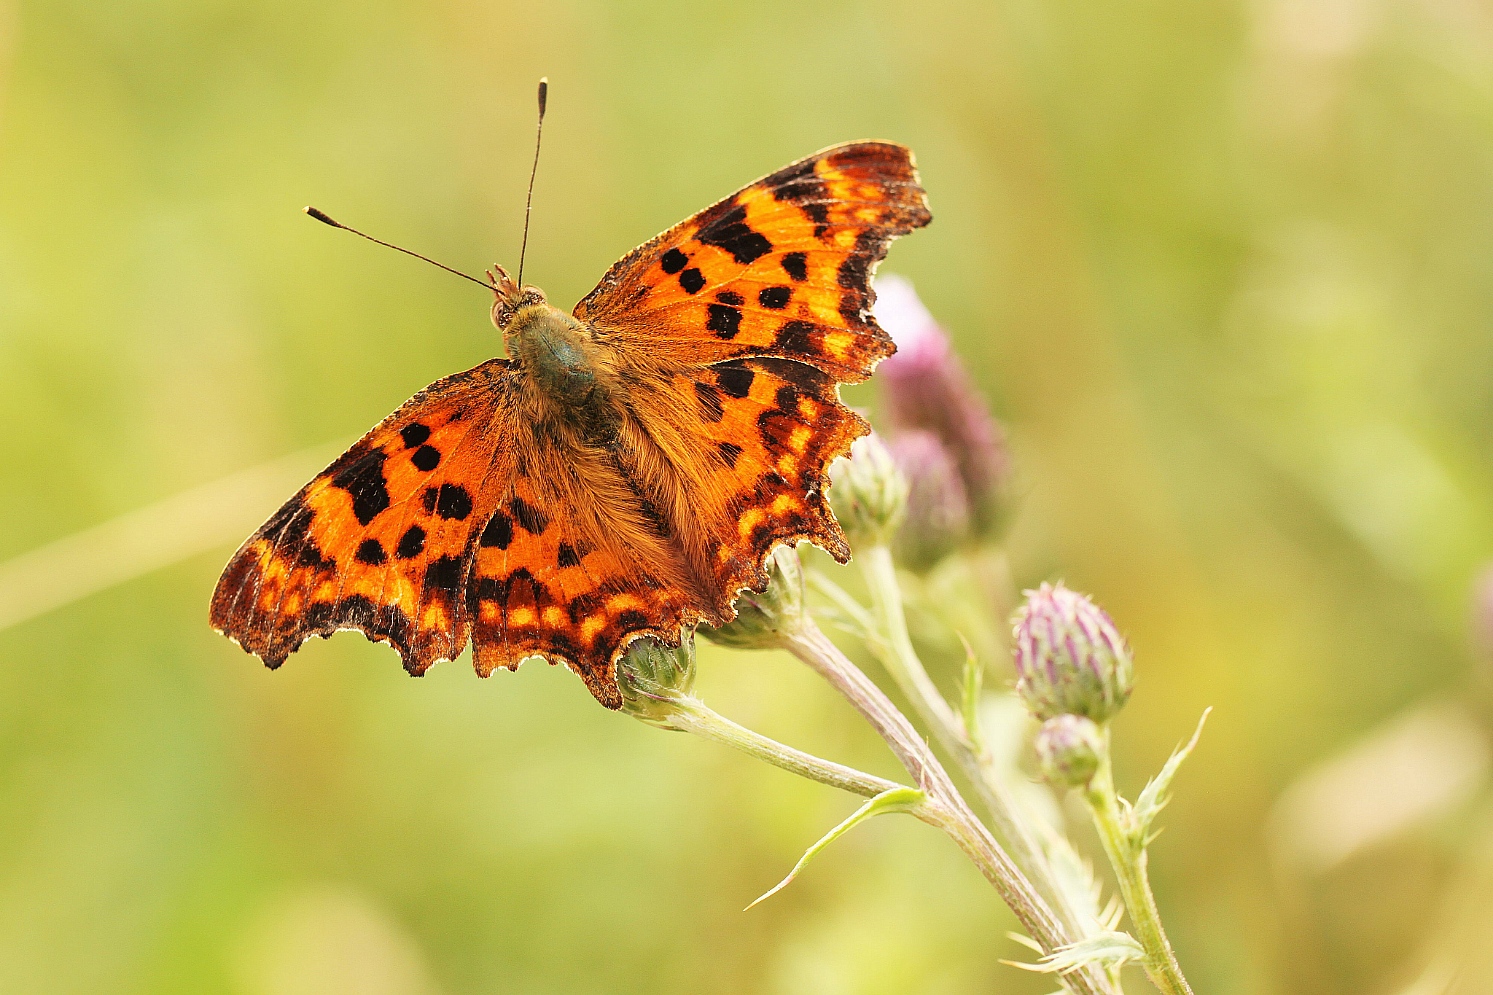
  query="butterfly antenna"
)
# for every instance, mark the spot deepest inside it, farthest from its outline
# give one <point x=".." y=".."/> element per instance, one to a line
<point x="544" y="92"/>
<point x="328" y="220"/>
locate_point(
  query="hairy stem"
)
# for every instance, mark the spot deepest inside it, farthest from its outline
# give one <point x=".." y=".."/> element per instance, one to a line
<point x="1127" y="855"/>
<point x="895" y="650"/>
<point x="692" y="715"/>
<point x="952" y="814"/>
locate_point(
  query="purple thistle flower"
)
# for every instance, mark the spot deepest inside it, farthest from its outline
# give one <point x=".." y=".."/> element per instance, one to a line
<point x="924" y="386"/>
<point x="1070" y="659"/>
<point x="937" y="519"/>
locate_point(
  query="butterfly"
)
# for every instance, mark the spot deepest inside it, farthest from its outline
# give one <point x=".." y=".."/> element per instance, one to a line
<point x="626" y="469"/>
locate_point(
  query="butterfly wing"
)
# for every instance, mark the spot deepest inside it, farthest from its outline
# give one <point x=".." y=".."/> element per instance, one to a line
<point x="381" y="541"/>
<point x="780" y="268"/>
<point x="452" y="519"/>
<point x="734" y="330"/>
<point x="572" y="566"/>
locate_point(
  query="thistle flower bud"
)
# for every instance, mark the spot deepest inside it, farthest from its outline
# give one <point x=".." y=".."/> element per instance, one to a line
<point x="1068" y="750"/>
<point x="762" y="618"/>
<point x="937" y="519"/>
<point x="868" y="493"/>
<point x="1070" y="658"/>
<point x="654" y="677"/>
<point x="924" y="386"/>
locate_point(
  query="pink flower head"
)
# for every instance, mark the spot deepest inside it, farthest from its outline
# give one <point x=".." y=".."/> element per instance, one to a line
<point x="924" y="386"/>
<point x="1070" y="658"/>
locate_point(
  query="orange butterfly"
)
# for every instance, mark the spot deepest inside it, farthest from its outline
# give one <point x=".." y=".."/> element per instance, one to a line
<point x="626" y="470"/>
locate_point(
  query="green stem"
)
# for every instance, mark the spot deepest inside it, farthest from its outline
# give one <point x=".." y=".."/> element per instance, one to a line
<point x="945" y="805"/>
<point x="896" y="652"/>
<point x="1127" y="855"/>
<point x="693" y="715"/>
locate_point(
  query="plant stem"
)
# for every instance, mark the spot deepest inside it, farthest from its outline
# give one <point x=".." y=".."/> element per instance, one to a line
<point x="948" y="808"/>
<point x="1127" y="855"/>
<point x="895" y="650"/>
<point x="692" y="715"/>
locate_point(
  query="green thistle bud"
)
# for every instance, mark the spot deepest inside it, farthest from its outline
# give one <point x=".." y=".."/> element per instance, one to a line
<point x="1070" y="658"/>
<point x="1068" y="750"/>
<point x="868" y="494"/>
<point x="762" y="618"/>
<point x="654" y="678"/>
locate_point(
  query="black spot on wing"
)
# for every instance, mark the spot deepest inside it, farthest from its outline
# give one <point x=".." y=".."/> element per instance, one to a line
<point x="426" y="458"/>
<point x="673" y="261"/>
<point x="411" y="544"/>
<point x="774" y="298"/>
<point x="800" y="185"/>
<point x="724" y="320"/>
<point x="499" y="531"/>
<point x="796" y="336"/>
<point x="692" y="280"/>
<point x="371" y="552"/>
<point x="730" y="453"/>
<point x="796" y="265"/>
<point x="414" y="434"/>
<point x="363" y="478"/>
<point x="566" y="556"/>
<point x="735" y="380"/>
<point x="452" y="502"/>
<point x="730" y="231"/>
<point x="729" y="297"/>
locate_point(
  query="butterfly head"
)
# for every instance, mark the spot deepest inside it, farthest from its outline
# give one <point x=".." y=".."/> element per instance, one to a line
<point x="509" y="298"/>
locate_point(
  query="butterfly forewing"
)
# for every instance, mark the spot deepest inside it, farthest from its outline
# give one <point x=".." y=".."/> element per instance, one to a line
<point x="781" y="268"/>
<point x="381" y="540"/>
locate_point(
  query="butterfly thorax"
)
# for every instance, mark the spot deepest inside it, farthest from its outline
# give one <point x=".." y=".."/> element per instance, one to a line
<point x="559" y="355"/>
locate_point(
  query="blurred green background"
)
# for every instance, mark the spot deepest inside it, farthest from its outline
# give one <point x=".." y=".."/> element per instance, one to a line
<point x="1225" y="269"/>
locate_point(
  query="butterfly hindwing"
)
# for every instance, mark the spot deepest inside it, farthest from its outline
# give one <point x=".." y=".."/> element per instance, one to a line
<point x="571" y="567"/>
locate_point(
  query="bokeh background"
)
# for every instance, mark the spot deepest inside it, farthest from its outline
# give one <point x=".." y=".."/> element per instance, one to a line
<point x="1225" y="270"/>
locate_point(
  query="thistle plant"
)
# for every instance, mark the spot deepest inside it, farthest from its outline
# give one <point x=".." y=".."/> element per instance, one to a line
<point x="926" y="502"/>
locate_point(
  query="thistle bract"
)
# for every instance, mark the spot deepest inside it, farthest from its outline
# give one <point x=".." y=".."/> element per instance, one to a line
<point x="868" y="494"/>
<point x="653" y="677"/>
<point x="1070" y="659"/>
<point x="937" y="519"/>
<point x="762" y="618"/>
<point x="1068" y="750"/>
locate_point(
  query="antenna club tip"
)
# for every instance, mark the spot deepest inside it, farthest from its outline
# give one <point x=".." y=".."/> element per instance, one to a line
<point x="320" y="216"/>
<point x="544" y="91"/>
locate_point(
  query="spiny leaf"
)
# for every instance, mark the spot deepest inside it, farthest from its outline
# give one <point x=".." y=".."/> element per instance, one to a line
<point x="889" y="801"/>
<point x="1105" y="950"/>
<point x="1154" y="797"/>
